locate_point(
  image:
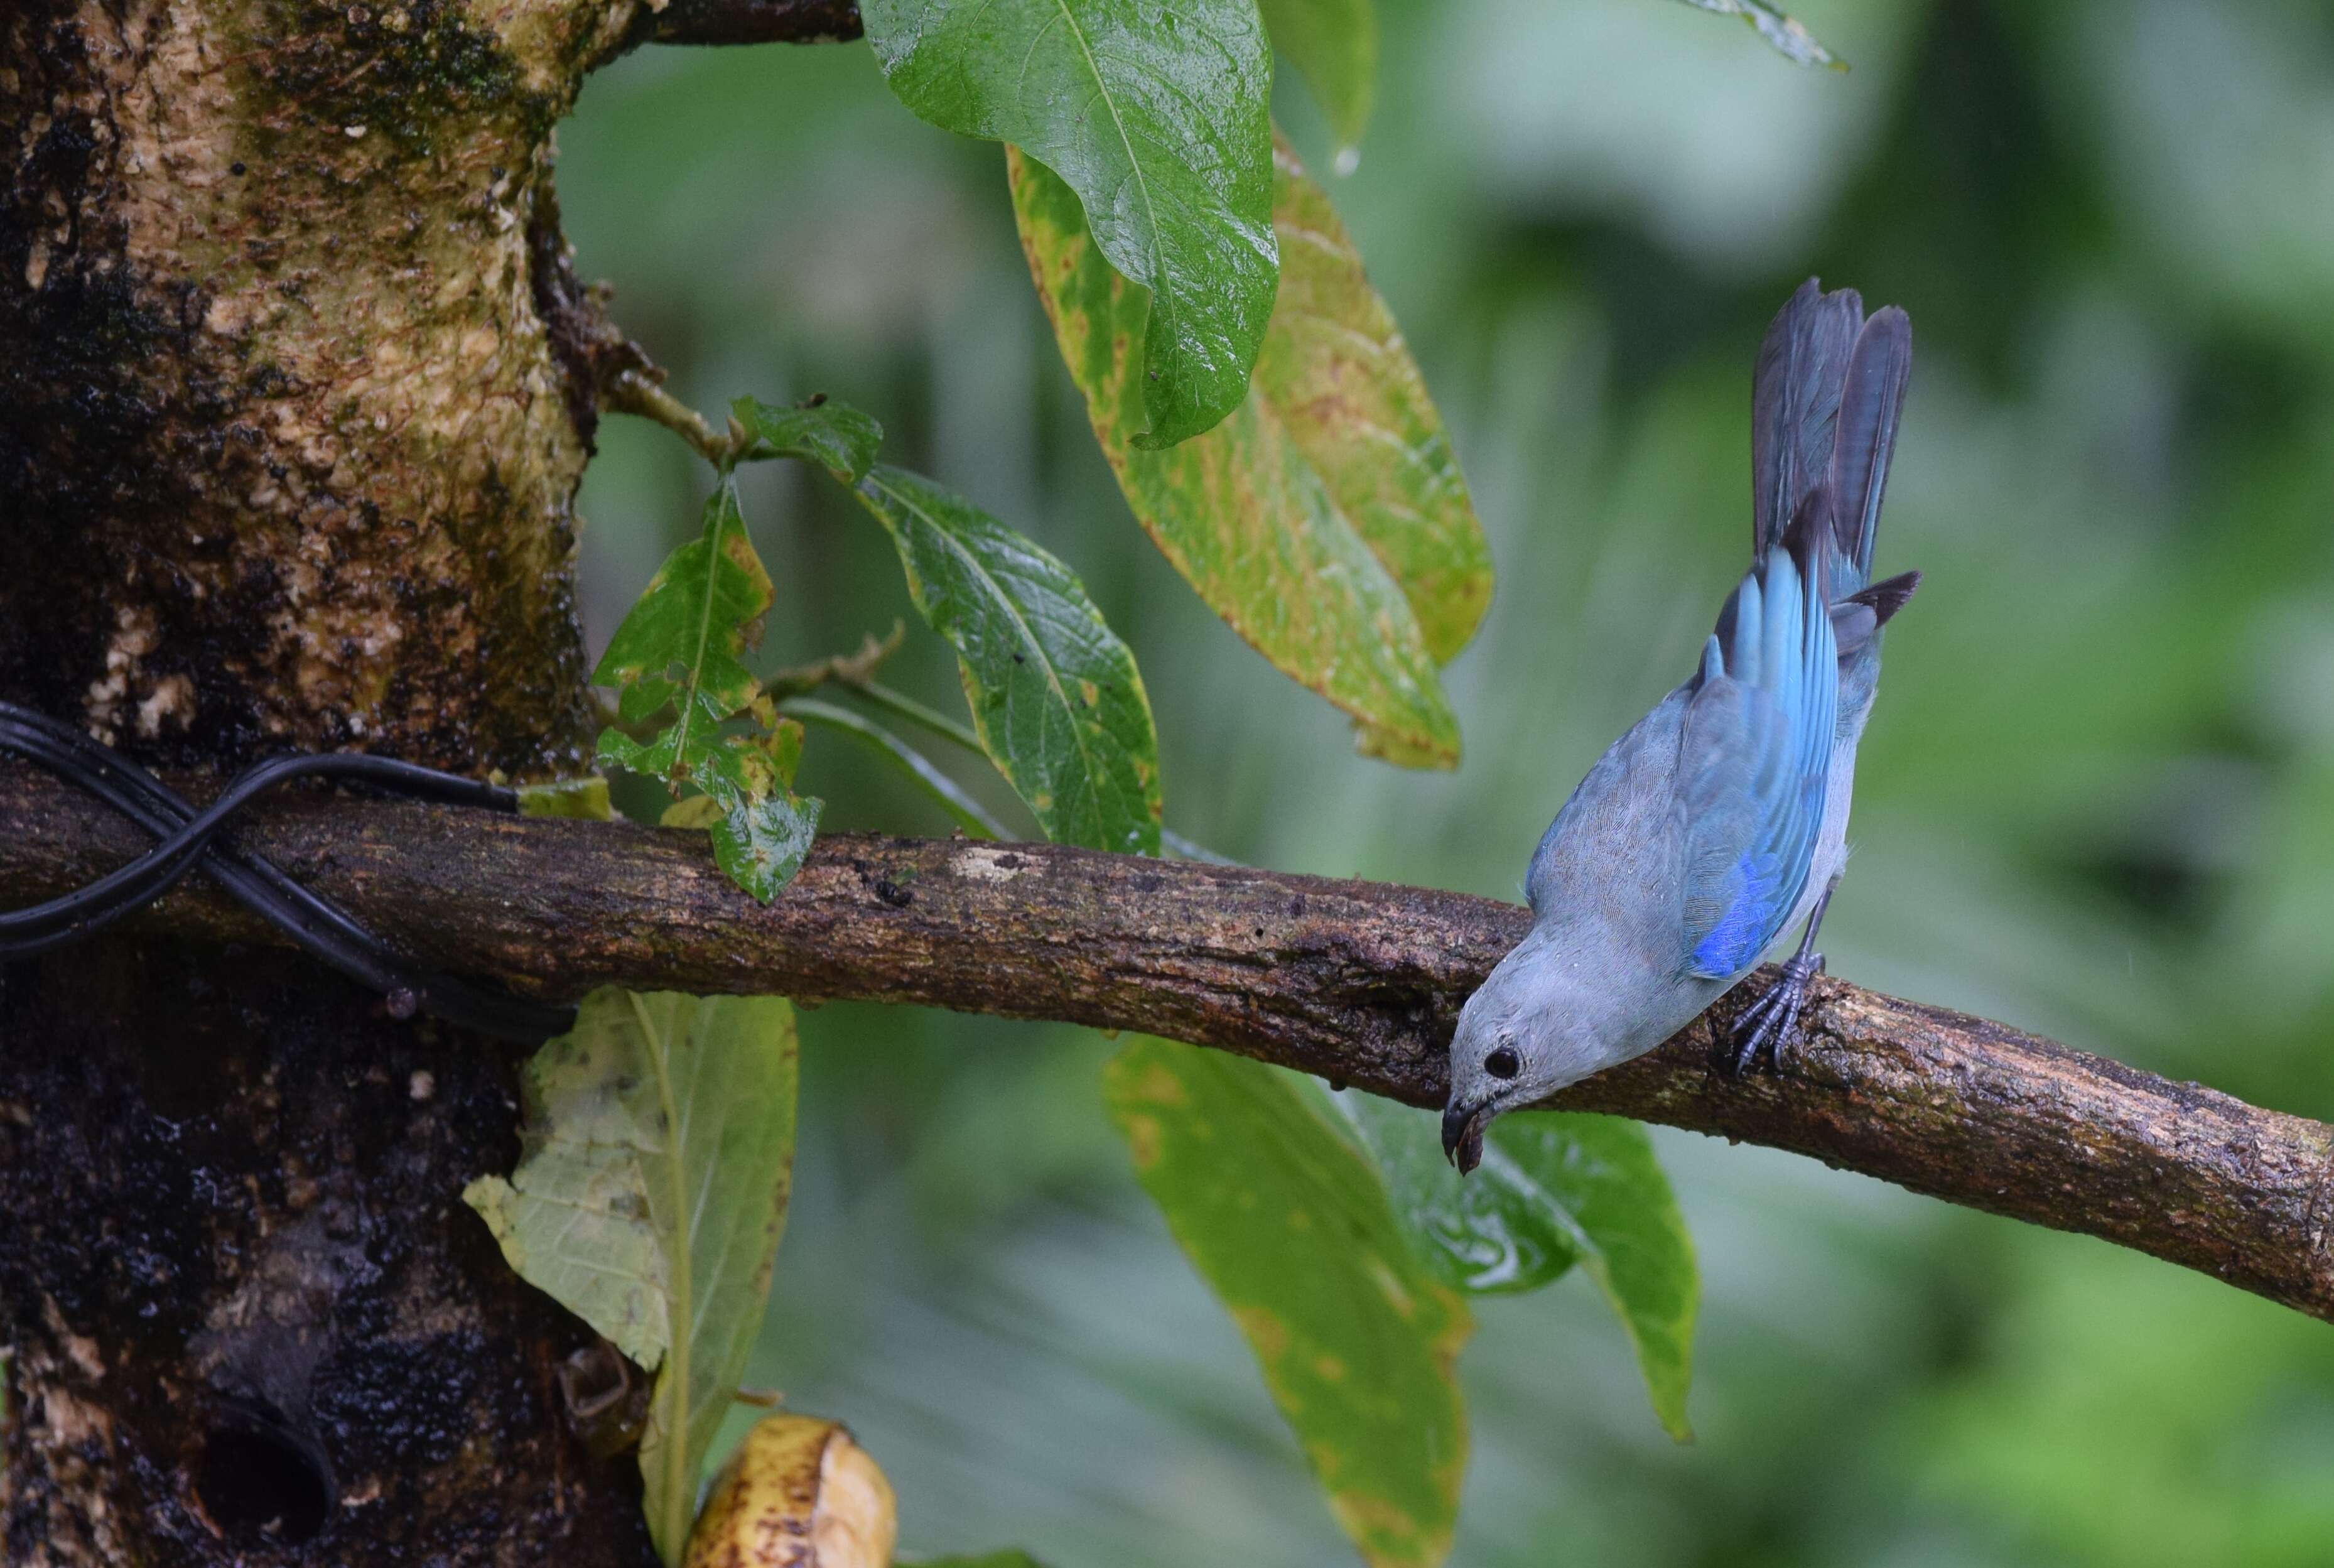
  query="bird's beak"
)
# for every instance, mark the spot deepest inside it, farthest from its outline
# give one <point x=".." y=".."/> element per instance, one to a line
<point x="1462" y="1134"/>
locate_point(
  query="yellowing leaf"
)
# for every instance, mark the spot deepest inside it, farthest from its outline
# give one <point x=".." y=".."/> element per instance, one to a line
<point x="1325" y="519"/>
<point x="1285" y="1220"/>
<point x="681" y="648"/>
<point x="798" y="1493"/>
<point x="649" y="1200"/>
<point x="584" y="798"/>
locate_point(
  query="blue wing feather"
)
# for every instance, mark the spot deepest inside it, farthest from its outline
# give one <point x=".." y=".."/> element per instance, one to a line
<point x="1754" y="756"/>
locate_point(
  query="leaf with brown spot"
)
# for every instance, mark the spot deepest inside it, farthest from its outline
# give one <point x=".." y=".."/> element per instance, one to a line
<point x="1056" y="700"/>
<point x="1286" y="1221"/>
<point x="680" y="650"/>
<point x="1326" y="519"/>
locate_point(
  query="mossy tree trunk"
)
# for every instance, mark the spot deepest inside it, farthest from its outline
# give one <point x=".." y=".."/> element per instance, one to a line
<point x="295" y="393"/>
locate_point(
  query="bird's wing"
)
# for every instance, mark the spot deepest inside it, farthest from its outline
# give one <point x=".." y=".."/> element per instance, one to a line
<point x="1754" y="756"/>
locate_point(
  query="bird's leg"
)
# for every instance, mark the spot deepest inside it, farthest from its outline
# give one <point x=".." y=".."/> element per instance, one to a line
<point x="1771" y="1022"/>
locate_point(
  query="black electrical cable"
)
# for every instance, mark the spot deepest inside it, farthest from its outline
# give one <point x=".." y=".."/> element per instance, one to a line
<point x="154" y="873"/>
<point x="188" y="838"/>
<point x="316" y="925"/>
<point x="322" y="928"/>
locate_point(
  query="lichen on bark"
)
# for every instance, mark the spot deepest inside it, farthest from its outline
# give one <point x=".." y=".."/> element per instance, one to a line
<point x="285" y="459"/>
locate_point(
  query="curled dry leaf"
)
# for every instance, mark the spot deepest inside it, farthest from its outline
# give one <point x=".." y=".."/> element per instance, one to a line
<point x="798" y="1493"/>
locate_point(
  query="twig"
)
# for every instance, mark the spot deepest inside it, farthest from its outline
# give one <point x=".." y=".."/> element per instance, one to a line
<point x="636" y="391"/>
<point x="1352" y="980"/>
<point x="800" y="679"/>
<point x="723" y="22"/>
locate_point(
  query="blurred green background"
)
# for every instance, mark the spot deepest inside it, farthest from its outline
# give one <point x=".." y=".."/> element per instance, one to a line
<point x="2096" y="799"/>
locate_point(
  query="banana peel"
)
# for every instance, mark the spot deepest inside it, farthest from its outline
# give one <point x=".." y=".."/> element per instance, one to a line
<point x="798" y="1493"/>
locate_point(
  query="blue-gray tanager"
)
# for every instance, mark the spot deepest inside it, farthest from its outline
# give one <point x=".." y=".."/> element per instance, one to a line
<point x="1721" y="819"/>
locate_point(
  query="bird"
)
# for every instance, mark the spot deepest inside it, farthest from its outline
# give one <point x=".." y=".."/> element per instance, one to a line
<point x="1720" y="821"/>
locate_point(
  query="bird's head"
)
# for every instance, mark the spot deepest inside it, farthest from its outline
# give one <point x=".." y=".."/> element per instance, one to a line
<point x="1528" y="1031"/>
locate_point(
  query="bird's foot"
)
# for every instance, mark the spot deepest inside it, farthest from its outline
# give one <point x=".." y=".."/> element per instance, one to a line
<point x="1771" y="1024"/>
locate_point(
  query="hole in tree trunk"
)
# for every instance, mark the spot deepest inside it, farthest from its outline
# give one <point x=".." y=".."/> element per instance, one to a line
<point x="258" y="1485"/>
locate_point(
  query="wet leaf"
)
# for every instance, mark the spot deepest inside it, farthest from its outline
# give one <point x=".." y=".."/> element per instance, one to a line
<point x="1326" y="520"/>
<point x="1556" y="1187"/>
<point x="1284" y="1216"/>
<point x="836" y="437"/>
<point x="1480" y="1235"/>
<point x="1788" y="35"/>
<point x="649" y="1200"/>
<point x="1055" y="697"/>
<point x="680" y="644"/>
<point x="1335" y="43"/>
<point x="1158" y="118"/>
<point x="681" y="649"/>
<point x="762" y="830"/>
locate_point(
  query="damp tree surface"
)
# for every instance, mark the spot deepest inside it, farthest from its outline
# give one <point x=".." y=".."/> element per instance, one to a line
<point x="297" y="381"/>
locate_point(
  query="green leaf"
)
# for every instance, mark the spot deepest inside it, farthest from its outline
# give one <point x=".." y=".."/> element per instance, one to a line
<point x="1286" y="1219"/>
<point x="762" y="830"/>
<point x="765" y="830"/>
<point x="1055" y="694"/>
<point x="985" y="1560"/>
<point x="1785" y="33"/>
<point x="649" y="1200"/>
<point x="836" y="437"/>
<point x="681" y="647"/>
<point x="1556" y="1187"/>
<point x="681" y="642"/>
<point x="1479" y="1233"/>
<point x="1159" y="118"/>
<point x="1326" y="521"/>
<point x="1335" y="43"/>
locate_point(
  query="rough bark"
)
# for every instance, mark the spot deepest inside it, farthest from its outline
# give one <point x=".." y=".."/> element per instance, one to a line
<point x="1358" y="982"/>
<point x="293" y="399"/>
<point x="286" y="456"/>
<point x="253" y="1321"/>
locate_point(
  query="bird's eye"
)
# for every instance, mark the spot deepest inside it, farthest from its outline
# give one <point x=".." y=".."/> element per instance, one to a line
<point x="1503" y="1063"/>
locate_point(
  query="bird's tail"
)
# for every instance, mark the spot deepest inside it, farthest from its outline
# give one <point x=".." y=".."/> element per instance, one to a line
<point x="1830" y="388"/>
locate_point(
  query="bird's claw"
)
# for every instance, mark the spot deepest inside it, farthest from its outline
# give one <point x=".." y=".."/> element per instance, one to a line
<point x="1771" y="1024"/>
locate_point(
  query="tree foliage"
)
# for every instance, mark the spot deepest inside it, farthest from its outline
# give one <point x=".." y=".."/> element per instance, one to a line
<point x="1270" y="432"/>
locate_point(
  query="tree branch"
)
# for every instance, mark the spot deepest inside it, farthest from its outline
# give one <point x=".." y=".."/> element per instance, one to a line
<point x="1356" y="981"/>
<point x="747" y="22"/>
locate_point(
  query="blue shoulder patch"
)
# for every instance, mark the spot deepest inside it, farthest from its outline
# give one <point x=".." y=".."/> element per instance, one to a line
<point x="1745" y="929"/>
